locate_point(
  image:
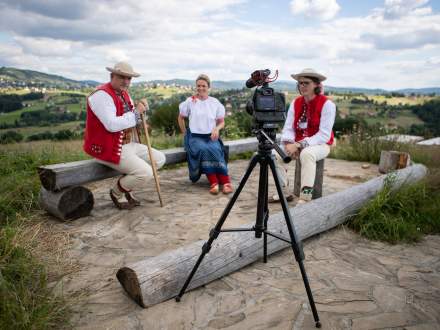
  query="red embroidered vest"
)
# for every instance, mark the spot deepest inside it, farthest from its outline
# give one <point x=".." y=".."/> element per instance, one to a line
<point x="313" y="114"/>
<point x="98" y="142"/>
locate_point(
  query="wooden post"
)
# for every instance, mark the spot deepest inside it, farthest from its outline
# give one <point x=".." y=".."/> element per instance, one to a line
<point x="67" y="204"/>
<point x="319" y="178"/>
<point x="393" y="160"/>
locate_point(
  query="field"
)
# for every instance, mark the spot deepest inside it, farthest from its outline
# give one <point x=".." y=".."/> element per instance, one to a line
<point x="391" y="112"/>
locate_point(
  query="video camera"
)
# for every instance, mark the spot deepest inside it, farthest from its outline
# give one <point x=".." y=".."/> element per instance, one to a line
<point x="266" y="106"/>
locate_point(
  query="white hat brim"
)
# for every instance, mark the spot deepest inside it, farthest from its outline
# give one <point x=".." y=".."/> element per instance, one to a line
<point x="122" y="73"/>
<point x="316" y="75"/>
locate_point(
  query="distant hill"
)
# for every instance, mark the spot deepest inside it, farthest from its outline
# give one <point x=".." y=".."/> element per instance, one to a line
<point x="35" y="78"/>
<point x="291" y="86"/>
<point x="28" y="77"/>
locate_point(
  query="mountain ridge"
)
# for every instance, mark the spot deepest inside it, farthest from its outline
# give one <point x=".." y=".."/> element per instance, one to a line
<point x="23" y="77"/>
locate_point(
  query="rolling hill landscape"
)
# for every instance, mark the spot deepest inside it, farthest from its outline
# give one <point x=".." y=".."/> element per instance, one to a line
<point x="19" y="77"/>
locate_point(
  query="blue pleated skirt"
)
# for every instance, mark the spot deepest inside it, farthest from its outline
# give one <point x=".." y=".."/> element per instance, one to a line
<point x="204" y="156"/>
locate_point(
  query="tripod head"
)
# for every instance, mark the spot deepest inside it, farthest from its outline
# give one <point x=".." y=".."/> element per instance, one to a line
<point x="267" y="141"/>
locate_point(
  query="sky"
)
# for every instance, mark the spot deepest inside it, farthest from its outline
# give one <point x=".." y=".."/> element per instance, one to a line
<point x="388" y="44"/>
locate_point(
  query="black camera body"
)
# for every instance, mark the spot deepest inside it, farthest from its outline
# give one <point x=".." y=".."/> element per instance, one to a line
<point x="266" y="106"/>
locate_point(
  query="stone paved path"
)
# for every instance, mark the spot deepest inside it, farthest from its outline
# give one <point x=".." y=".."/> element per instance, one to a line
<point x="357" y="284"/>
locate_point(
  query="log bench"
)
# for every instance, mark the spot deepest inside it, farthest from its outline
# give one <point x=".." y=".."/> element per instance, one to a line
<point x="63" y="195"/>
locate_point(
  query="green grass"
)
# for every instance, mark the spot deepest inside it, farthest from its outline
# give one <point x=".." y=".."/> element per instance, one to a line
<point x="398" y="216"/>
<point x="366" y="147"/>
<point x="26" y="131"/>
<point x="402" y="216"/>
<point x="26" y="301"/>
<point x="400" y="100"/>
<point x="19" y="183"/>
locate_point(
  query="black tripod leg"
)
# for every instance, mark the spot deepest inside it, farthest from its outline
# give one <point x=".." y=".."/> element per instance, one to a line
<point x="216" y="231"/>
<point x="266" y="216"/>
<point x="296" y="245"/>
<point x="262" y="198"/>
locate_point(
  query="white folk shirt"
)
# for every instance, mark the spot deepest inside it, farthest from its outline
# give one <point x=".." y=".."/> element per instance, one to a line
<point x="328" y="115"/>
<point x="104" y="108"/>
<point x="202" y="114"/>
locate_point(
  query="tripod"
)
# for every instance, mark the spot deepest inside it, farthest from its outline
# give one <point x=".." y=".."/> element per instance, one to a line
<point x="265" y="158"/>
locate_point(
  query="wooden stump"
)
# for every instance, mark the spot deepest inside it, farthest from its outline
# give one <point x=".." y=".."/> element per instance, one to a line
<point x="67" y="204"/>
<point x="319" y="178"/>
<point x="156" y="279"/>
<point x="393" y="160"/>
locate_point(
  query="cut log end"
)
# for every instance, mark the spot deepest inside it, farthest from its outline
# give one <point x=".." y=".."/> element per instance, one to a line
<point x="67" y="204"/>
<point x="129" y="281"/>
<point x="47" y="178"/>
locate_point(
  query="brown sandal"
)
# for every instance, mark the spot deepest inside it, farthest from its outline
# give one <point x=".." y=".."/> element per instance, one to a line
<point x="120" y="205"/>
<point x="130" y="198"/>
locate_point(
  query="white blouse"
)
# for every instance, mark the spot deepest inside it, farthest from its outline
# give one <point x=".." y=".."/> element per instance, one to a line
<point x="202" y="114"/>
<point x="328" y="115"/>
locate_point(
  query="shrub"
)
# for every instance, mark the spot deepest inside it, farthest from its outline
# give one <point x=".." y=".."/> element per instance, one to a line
<point x="10" y="136"/>
<point x="165" y="118"/>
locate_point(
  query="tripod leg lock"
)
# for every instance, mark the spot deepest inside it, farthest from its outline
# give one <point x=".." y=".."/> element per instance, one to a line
<point x="206" y="248"/>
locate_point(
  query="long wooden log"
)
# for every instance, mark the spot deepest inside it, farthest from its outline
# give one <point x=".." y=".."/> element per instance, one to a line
<point x="67" y="204"/>
<point x="159" y="278"/>
<point x="58" y="176"/>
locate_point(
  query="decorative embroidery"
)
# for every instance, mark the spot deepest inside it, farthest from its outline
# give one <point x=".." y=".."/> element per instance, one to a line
<point x="302" y="121"/>
<point x="97" y="149"/>
<point x="194" y="98"/>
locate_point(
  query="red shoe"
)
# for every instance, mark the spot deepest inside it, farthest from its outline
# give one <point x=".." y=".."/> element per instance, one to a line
<point x="227" y="188"/>
<point x="214" y="189"/>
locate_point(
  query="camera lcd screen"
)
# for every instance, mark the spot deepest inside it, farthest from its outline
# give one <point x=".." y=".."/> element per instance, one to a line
<point x="265" y="102"/>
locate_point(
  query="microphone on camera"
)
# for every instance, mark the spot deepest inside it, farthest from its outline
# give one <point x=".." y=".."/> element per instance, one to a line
<point x="250" y="83"/>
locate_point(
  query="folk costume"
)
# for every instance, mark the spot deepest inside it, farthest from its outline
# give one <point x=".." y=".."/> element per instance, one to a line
<point x="205" y="156"/>
<point x="309" y="124"/>
<point x="109" y="138"/>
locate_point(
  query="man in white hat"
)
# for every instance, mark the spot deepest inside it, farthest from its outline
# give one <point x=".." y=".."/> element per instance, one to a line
<point x="307" y="132"/>
<point x="109" y="138"/>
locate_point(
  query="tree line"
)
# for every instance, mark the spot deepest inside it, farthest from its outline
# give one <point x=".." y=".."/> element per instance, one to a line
<point x="13" y="102"/>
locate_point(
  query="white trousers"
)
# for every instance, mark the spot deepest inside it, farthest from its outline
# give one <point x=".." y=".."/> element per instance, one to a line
<point x="137" y="169"/>
<point x="308" y="157"/>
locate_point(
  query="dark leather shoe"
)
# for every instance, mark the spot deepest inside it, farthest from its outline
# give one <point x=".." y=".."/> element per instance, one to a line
<point x="120" y="205"/>
<point x="133" y="201"/>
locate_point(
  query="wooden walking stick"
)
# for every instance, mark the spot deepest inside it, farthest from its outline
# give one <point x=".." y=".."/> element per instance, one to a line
<point x="150" y="153"/>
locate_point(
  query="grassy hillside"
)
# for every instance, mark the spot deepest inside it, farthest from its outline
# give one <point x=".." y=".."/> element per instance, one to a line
<point x="30" y="77"/>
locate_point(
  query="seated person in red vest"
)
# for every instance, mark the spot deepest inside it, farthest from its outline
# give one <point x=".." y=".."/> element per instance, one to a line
<point x="307" y="132"/>
<point x="110" y="135"/>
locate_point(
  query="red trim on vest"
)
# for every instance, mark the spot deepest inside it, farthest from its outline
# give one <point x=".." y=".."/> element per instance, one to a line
<point x="98" y="142"/>
<point x="313" y="117"/>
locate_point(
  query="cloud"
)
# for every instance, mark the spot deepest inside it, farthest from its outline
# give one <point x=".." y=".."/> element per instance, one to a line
<point x="45" y="46"/>
<point x="51" y="8"/>
<point x="395" y="9"/>
<point x="319" y="9"/>
<point x="402" y="40"/>
<point x="180" y="39"/>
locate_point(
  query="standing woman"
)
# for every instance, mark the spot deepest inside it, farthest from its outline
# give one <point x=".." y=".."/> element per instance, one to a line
<point x="205" y="151"/>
